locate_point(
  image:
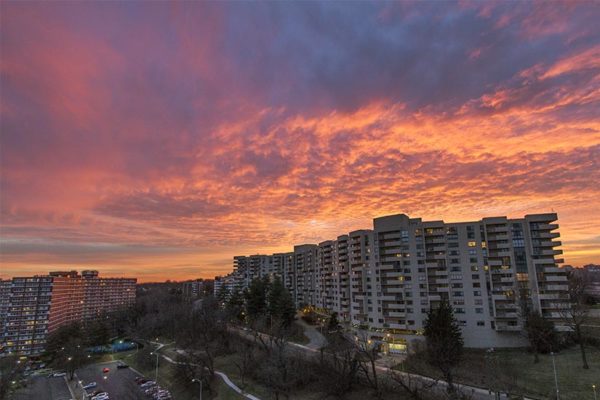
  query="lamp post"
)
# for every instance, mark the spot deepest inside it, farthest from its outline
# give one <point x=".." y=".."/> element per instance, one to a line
<point x="555" y="376"/>
<point x="156" y="371"/>
<point x="200" y="382"/>
<point x="594" y="389"/>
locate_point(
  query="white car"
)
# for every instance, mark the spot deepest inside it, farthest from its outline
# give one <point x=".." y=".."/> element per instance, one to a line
<point x="101" y="396"/>
<point x="147" y="384"/>
<point x="90" y="385"/>
<point x="58" y="375"/>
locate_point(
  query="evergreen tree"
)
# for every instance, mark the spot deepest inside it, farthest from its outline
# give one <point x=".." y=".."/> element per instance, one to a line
<point x="256" y="298"/>
<point x="444" y="342"/>
<point x="281" y="305"/>
<point x="234" y="307"/>
<point x="333" y="322"/>
<point x="541" y="334"/>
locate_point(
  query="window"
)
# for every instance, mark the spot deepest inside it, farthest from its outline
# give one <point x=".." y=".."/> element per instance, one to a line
<point x="477" y="293"/>
<point x="480" y="323"/>
<point x="472" y="244"/>
<point x="472" y="252"/>
<point x="474" y="268"/>
<point x="476" y="284"/>
<point x="479" y="310"/>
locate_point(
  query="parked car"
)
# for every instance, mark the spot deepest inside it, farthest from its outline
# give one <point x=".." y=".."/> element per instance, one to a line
<point x="57" y="375"/>
<point x="101" y="396"/>
<point x="90" y="385"/>
<point x="147" y="384"/>
<point x="106" y="370"/>
<point x="122" y="365"/>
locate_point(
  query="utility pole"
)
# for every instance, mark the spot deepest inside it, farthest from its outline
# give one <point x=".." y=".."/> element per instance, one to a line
<point x="200" y="382"/>
<point x="156" y="371"/>
<point x="555" y="376"/>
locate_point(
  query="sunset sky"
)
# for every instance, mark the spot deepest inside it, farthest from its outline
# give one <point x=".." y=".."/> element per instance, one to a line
<point x="160" y="139"/>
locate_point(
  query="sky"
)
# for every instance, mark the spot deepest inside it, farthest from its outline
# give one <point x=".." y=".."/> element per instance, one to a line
<point x="160" y="139"/>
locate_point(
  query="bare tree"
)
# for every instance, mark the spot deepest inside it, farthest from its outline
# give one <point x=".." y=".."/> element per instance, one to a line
<point x="367" y="355"/>
<point x="245" y="350"/>
<point x="10" y="369"/>
<point x="576" y="314"/>
<point x="338" y="367"/>
<point x="204" y="336"/>
<point x="415" y="387"/>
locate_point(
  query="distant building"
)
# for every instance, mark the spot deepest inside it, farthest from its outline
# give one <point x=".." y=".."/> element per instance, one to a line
<point x="192" y="290"/>
<point x="31" y="308"/>
<point x="383" y="281"/>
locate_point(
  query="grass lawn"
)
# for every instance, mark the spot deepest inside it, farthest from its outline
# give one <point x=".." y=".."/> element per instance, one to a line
<point x="513" y="370"/>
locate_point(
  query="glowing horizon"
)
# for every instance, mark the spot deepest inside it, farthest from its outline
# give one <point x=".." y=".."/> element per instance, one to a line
<point x="158" y="140"/>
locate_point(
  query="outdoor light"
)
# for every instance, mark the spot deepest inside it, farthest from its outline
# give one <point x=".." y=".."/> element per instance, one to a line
<point x="105" y="377"/>
<point x="13" y="382"/>
<point x="70" y="358"/>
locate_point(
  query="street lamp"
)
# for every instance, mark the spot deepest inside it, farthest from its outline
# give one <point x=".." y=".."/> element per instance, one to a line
<point x="200" y="382"/>
<point x="156" y="372"/>
<point x="594" y="389"/>
<point x="555" y="376"/>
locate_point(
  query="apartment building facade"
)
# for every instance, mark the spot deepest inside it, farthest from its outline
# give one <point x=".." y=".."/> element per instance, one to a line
<point x="31" y="308"/>
<point x="383" y="281"/>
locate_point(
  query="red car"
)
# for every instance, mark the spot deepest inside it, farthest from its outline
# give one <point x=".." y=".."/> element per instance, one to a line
<point x="106" y="370"/>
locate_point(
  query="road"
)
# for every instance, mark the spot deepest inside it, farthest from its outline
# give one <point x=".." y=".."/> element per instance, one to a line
<point x="317" y="340"/>
<point x="42" y="388"/>
<point x="119" y="383"/>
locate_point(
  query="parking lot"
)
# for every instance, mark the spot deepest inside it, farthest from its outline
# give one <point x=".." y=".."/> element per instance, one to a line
<point x="119" y="383"/>
<point x="43" y="388"/>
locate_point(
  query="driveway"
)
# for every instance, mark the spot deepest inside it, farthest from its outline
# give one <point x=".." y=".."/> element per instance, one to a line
<point x="317" y="340"/>
<point x="119" y="383"/>
<point x="42" y="388"/>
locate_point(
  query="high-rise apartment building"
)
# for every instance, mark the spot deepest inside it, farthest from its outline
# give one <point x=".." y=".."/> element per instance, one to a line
<point x="31" y="308"/>
<point x="384" y="281"/>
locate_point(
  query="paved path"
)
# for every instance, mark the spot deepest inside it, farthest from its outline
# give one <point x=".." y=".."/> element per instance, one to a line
<point x="317" y="340"/>
<point x="222" y="375"/>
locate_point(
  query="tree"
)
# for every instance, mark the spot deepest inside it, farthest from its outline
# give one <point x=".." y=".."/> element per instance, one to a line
<point x="367" y="354"/>
<point x="256" y="298"/>
<point x="10" y="370"/>
<point x="98" y="332"/>
<point x="234" y="307"/>
<point x="59" y="339"/>
<point x="444" y="343"/>
<point x="338" y="368"/>
<point x="576" y="313"/>
<point x="204" y="336"/>
<point x="280" y="304"/>
<point x="333" y="324"/>
<point x="540" y="333"/>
